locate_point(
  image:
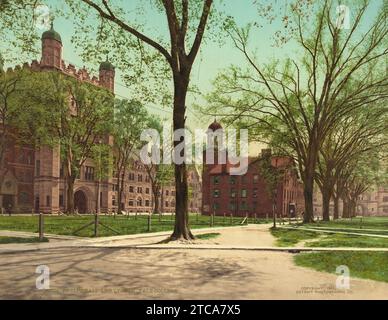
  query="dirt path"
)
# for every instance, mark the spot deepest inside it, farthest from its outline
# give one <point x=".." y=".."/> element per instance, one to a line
<point x="250" y="236"/>
<point x="97" y="273"/>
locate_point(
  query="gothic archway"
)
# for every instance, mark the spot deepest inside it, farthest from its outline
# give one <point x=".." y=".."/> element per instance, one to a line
<point x="80" y="202"/>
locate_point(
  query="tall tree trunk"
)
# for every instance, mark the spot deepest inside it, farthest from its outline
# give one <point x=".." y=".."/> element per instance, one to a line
<point x="345" y="211"/>
<point x="308" y="199"/>
<point x="155" y="192"/>
<point x="336" y="207"/>
<point x="70" y="194"/>
<point x="181" y="228"/>
<point x="121" y="186"/>
<point x="309" y="178"/>
<point x="352" y="207"/>
<point x="326" y="195"/>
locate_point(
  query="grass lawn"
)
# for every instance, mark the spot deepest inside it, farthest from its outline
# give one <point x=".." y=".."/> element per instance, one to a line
<point x="290" y="237"/>
<point x="5" y="240"/>
<point x="367" y="265"/>
<point x="379" y="223"/>
<point x="66" y="225"/>
<point x="345" y="240"/>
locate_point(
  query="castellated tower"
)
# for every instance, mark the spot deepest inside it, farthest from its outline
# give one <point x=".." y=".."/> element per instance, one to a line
<point x="107" y="75"/>
<point x="51" y="50"/>
<point x="47" y="159"/>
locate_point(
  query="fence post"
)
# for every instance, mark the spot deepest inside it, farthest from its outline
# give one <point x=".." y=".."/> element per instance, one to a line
<point x="246" y="216"/>
<point x="197" y="217"/>
<point x="41" y="226"/>
<point x="224" y="218"/>
<point x="231" y="218"/>
<point x="361" y="223"/>
<point x="96" y="225"/>
<point x="149" y="223"/>
<point x="266" y="217"/>
<point x="255" y="218"/>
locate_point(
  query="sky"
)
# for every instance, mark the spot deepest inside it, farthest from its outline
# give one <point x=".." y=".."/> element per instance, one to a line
<point x="212" y="58"/>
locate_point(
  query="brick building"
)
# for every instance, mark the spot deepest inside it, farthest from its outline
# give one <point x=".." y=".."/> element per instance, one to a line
<point x="34" y="180"/>
<point x="223" y="193"/>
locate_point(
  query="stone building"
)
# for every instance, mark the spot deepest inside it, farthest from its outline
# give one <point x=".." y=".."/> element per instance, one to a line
<point x="371" y="203"/>
<point x="223" y="193"/>
<point x="34" y="178"/>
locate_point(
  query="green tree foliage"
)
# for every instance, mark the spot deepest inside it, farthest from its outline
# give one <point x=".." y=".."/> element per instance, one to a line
<point x="130" y="119"/>
<point x="294" y="105"/>
<point x="77" y="117"/>
<point x="18" y="22"/>
<point x="170" y="60"/>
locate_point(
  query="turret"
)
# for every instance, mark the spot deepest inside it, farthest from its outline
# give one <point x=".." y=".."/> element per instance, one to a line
<point x="51" y="49"/>
<point x="107" y="75"/>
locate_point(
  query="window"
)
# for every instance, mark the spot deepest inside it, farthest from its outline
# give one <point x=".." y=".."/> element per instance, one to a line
<point x="61" y="171"/>
<point x="232" y="206"/>
<point x="131" y="176"/>
<point x="130" y="203"/>
<point x="216" y="179"/>
<point x="166" y="192"/>
<point x="244" y="179"/>
<point x="139" y="190"/>
<point x="244" y="193"/>
<point x="139" y="177"/>
<point x="255" y="178"/>
<point x="61" y="202"/>
<point x="216" y="205"/>
<point x="37" y="168"/>
<point x="139" y="202"/>
<point x="166" y="204"/>
<point x="244" y="206"/>
<point x="147" y="179"/>
<point x="147" y="190"/>
<point x="216" y="193"/>
<point x="254" y="193"/>
<point x="232" y="180"/>
<point x="48" y="201"/>
<point x="233" y="193"/>
<point x="115" y="187"/>
<point x="147" y="203"/>
<point x="89" y="173"/>
<point x="385" y="199"/>
<point x="24" y="197"/>
<point x="131" y="189"/>
<point x="254" y="205"/>
<point x="113" y="200"/>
